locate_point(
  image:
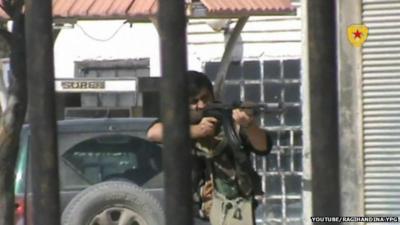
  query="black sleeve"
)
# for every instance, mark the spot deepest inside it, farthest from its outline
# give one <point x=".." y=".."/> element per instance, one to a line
<point x="247" y="145"/>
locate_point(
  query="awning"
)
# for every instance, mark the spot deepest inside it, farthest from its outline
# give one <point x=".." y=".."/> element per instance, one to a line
<point x="247" y="6"/>
<point x="143" y="9"/>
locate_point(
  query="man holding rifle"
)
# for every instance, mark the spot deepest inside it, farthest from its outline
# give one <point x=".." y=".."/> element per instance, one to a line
<point x="224" y="180"/>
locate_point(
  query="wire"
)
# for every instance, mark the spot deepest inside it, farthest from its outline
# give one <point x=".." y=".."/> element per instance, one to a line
<point x="100" y="39"/>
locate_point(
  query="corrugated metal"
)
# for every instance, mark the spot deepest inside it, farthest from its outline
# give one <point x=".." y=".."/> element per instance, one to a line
<point x="61" y="7"/>
<point x="381" y="107"/>
<point x="230" y="6"/>
<point x="143" y="8"/>
<point x="79" y="8"/>
<point x="100" y="8"/>
<point x="131" y="9"/>
<point x="120" y="7"/>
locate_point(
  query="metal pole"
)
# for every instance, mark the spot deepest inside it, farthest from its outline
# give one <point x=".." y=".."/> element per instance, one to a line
<point x="227" y="57"/>
<point x="175" y="115"/>
<point x="41" y="112"/>
<point x="320" y="109"/>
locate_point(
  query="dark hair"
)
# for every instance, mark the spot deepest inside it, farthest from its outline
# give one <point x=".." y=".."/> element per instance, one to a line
<point x="198" y="81"/>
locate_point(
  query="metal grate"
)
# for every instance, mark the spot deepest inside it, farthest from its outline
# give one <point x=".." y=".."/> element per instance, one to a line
<point x="381" y="107"/>
<point x="273" y="81"/>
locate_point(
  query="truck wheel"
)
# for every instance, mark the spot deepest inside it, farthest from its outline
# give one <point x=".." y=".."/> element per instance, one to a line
<point x="113" y="202"/>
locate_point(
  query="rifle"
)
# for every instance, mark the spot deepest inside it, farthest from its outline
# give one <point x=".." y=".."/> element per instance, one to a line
<point x="220" y="110"/>
<point x="223" y="113"/>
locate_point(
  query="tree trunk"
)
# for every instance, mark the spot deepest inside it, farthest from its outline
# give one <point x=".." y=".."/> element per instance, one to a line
<point x="12" y="121"/>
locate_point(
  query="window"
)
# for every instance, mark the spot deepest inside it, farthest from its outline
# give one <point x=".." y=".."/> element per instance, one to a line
<point x="114" y="156"/>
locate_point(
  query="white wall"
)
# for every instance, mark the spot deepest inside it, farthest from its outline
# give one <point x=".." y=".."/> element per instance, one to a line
<point x="262" y="37"/>
<point x="78" y="43"/>
<point x="273" y="37"/>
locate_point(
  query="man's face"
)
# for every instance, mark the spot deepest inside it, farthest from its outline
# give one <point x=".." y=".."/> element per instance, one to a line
<point x="201" y="100"/>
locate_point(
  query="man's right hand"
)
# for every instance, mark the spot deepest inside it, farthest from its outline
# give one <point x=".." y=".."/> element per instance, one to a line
<point x="206" y="196"/>
<point x="207" y="190"/>
<point x="205" y="128"/>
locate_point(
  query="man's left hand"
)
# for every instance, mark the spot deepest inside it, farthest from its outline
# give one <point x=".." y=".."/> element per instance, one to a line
<point x="242" y="117"/>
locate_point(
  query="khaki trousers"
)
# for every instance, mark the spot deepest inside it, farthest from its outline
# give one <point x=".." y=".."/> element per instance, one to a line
<point x="238" y="211"/>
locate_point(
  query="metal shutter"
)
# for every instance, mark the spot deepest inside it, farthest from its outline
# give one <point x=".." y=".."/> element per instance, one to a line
<point x="381" y="107"/>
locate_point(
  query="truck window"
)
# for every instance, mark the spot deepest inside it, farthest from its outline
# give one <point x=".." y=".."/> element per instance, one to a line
<point x="113" y="156"/>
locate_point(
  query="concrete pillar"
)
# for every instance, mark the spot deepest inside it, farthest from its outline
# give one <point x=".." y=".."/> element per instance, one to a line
<point x="350" y="117"/>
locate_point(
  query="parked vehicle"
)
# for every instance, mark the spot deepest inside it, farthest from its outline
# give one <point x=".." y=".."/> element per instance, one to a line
<point x="109" y="174"/>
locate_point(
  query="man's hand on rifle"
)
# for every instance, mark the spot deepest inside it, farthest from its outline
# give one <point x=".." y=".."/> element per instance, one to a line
<point x="243" y="117"/>
<point x="205" y="128"/>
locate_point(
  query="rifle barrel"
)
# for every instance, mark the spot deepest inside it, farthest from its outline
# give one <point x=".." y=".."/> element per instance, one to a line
<point x="265" y="106"/>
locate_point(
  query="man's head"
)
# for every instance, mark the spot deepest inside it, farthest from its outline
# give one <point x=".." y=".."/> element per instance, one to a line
<point x="200" y="90"/>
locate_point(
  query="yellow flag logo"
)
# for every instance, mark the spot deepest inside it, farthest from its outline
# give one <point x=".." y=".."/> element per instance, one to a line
<point x="357" y="34"/>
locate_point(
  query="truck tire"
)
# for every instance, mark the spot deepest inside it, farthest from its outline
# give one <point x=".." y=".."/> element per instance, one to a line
<point x="113" y="202"/>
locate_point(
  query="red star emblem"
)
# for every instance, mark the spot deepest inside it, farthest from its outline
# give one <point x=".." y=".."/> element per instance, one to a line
<point x="357" y="34"/>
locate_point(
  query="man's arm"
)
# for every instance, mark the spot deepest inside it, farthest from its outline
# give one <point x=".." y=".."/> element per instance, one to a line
<point x="205" y="128"/>
<point x="155" y="132"/>
<point x="256" y="136"/>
